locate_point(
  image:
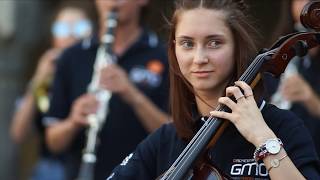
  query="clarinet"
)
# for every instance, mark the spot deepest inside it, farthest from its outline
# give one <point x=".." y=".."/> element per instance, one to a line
<point x="104" y="57"/>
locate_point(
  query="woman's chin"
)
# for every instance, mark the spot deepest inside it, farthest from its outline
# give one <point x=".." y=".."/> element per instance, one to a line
<point x="203" y="87"/>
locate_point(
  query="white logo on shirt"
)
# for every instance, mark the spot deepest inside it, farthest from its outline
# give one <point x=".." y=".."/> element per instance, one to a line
<point x="126" y="160"/>
<point x="244" y="169"/>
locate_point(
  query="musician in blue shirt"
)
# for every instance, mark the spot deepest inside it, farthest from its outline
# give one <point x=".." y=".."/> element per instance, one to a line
<point x="138" y="82"/>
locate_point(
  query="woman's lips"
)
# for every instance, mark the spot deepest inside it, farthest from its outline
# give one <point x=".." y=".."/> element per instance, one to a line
<point x="201" y="74"/>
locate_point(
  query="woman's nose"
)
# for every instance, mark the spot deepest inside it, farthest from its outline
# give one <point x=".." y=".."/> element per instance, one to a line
<point x="200" y="56"/>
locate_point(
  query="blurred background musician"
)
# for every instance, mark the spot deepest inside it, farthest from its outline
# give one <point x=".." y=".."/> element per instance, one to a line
<point x="138" y="82"/>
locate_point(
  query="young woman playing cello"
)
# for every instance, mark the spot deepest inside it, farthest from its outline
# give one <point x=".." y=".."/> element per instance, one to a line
<point x="210" y="45"/>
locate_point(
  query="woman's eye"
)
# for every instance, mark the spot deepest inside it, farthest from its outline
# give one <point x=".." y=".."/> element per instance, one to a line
<point x="186" y="44"/>
<point x="214" y="44"/>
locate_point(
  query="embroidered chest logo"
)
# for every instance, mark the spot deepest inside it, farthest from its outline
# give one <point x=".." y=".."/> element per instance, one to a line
<point x="248" y="167"/>
<point x="149" y="76"/>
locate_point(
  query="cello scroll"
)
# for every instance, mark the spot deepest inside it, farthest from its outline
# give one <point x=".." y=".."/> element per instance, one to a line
<point x="310" y="16"/>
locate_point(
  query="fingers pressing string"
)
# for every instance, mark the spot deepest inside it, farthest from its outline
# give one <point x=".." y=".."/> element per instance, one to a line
<point x="245" y="87"/>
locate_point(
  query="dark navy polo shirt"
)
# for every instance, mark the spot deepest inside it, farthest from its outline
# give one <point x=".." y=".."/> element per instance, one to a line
<point x="147" y="67"/>
<point x="232" y="153"/>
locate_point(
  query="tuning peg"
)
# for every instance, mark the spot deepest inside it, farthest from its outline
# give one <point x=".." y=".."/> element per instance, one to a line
<point x="300" y="48"/>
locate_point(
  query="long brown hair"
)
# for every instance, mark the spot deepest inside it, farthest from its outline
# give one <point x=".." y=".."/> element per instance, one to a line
<point x="182" y="96"/>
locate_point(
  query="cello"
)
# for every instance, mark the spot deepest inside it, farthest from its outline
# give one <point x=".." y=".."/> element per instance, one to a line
<point x="192" y="162"/>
